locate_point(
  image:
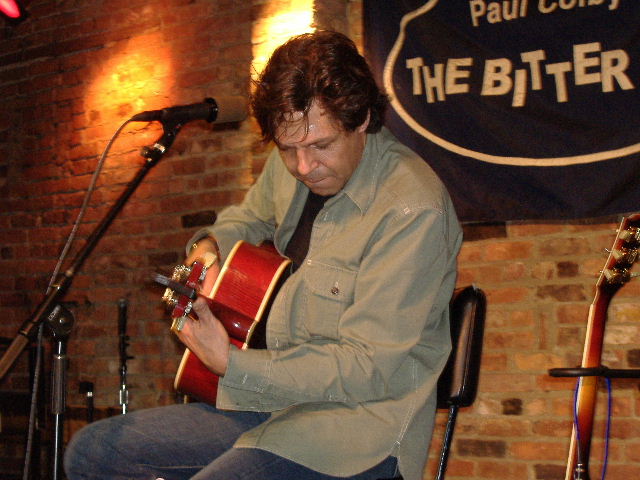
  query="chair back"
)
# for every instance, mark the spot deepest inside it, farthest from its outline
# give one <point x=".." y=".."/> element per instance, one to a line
<point x="458" y="383"/>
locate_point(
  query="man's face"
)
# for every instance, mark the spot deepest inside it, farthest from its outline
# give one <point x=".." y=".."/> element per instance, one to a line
<point x="318" y="152"/>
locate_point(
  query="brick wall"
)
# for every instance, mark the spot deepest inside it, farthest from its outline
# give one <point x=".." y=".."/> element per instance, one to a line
<point x="72" y="73"/>
<point x="540" y="279"/>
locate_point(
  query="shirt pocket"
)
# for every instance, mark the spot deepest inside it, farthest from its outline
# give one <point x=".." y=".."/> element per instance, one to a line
<point x="329" y="293"/>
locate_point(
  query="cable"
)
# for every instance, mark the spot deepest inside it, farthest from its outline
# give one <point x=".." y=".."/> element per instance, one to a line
<point x="54" y="276"/>
<point x="84" y="206"/>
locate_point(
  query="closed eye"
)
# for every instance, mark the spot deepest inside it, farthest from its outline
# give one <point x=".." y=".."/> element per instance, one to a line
<point x="322" y="145"/>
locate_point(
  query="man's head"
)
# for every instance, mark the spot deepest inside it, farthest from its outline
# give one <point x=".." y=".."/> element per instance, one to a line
<point x="324" y="67"/>
<point x="317" y="99"/>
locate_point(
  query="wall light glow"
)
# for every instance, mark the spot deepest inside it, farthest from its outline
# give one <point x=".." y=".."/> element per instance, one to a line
<point x="270" y="32"/>
<point x="138" y="76"/>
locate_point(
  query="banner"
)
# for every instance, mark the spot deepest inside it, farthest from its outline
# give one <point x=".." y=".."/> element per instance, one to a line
<point x="527" y="109"/>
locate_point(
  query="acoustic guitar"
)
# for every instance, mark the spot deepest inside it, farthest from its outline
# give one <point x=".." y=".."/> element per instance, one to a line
<point x="616" y="273"/>
<point x="240" y="298"/>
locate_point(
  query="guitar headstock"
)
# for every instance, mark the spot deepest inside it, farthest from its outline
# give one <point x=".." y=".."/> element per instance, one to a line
<point x="182" y="288"/>
<point x="623" y="254"/>
<point x="189" y="279"/>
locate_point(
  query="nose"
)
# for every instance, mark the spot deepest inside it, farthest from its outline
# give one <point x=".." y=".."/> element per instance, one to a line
<point x="305" y="162"/>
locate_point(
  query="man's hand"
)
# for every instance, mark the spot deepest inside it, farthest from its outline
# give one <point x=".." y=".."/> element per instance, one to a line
<point x="205" y="336"/>
<point x="202" y="249"/>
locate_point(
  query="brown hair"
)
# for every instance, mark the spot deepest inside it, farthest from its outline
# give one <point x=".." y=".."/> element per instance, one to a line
<point x="323" y="66"/>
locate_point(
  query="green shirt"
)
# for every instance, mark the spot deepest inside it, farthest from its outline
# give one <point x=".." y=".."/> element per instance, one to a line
<point x="359" y="334"/>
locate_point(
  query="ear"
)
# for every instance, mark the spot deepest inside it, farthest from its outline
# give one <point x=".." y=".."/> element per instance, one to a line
<point x="362" y="128"/>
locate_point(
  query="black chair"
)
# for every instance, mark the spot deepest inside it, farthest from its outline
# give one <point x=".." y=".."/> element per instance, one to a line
<point x="458" y="383"/>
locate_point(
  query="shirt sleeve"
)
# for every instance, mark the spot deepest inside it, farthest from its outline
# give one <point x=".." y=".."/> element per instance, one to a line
<point x="252" y="220"/>
<point x="399" y="315"/>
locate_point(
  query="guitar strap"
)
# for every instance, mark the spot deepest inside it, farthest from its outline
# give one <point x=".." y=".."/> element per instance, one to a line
<point x="298" y="245"/>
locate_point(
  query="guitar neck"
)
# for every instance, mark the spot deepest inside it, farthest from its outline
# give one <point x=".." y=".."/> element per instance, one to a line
<point x="578" y="464"/>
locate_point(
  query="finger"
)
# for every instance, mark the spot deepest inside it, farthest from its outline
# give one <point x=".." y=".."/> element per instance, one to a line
<point x="201" y="249"/>
<point x="201" y="309"/>
<point x="206" y="253"/>
<point x="206" y="286"/>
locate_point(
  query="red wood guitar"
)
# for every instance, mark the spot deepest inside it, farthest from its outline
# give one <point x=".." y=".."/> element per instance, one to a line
<point x="616" y="272"/>
<point x="240" y="299"/>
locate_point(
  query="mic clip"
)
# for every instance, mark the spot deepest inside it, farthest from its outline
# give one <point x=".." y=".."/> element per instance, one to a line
<point x="158" y="149"/>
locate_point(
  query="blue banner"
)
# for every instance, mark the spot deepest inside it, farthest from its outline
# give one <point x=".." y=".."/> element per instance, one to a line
<point x="527" y="109"/>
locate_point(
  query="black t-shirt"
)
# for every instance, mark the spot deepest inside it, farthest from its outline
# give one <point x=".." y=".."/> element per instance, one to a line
<point x="298" y="246"/>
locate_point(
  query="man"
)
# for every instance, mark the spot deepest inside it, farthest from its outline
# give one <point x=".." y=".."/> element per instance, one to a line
<point x="357" y="335"/>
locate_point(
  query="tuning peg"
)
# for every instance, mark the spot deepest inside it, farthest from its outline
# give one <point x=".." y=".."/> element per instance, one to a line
<point x="180" y="273"/>
<point x="630" y="235"/>
<point x="624" y="255"/>
<point x="616" y="276"/>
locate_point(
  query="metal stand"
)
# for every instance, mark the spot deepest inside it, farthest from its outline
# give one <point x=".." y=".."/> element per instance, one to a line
<point x="86" y="388"/>
<point x="123" y="396"/>
<point x="581" y="470"/>
<point x="446" y="445"/>
<point x="52" y="299"/>
<point x="600" y="371"/>
<point x="50" y="307"/>
<point x="60" y="322"/>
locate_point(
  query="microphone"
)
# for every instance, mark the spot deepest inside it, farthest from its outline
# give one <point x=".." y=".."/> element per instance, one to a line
<point x="220" y="110"/>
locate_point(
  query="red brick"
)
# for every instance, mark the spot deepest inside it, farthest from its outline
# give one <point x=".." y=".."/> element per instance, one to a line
<point x="502" y="470"/>
<point x="507" y="295"/>
<point x="534" y="229"/>
<point x="480" y="448"/>
<point x="563" y="247"/>
<point x="533" y="362"/>
<point x="576" y="314"/>
<point x="532" y="450"/>
<point x="517" y="341"/>
<point x="507" y="383"/>
<point x="499" y="251"/>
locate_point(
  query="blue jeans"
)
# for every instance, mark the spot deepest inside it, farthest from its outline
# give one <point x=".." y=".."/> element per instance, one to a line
<point x="186" y="441"/>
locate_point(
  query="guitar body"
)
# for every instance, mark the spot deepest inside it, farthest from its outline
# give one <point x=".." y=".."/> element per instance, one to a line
<point x="614" y="275"/>
<point x="240" y="298"/>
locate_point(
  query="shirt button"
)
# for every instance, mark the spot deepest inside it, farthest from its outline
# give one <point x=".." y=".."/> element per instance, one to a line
<point x="335" y="291"/>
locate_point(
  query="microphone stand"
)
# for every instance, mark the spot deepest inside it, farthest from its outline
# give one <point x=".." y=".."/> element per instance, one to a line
<point x="87" y="389"/>
<point x="50" y="304"/>
<point x="124" y="343"/>
<point x="60" y="322"/>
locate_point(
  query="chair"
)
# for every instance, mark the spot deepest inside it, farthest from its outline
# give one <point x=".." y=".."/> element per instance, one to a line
<point x="458" y="383"/>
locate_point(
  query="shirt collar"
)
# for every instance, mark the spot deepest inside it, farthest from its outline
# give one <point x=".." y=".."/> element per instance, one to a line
<point x="361" y="187"/>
